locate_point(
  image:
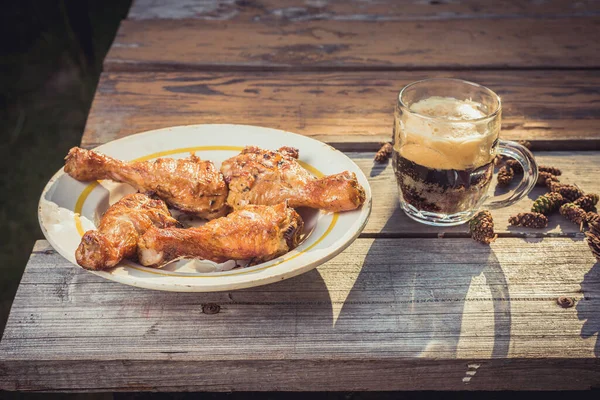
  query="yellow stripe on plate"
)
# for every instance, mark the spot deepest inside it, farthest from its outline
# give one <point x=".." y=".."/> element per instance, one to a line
<point x="79" y="205"/>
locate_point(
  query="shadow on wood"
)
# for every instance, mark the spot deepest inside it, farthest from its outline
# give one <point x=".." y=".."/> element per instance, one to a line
<point x="420" y="301"/>
<point x="586" y="308"/>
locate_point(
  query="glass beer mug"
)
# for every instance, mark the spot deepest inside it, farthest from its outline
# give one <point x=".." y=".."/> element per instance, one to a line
<point x="446" y="137"/>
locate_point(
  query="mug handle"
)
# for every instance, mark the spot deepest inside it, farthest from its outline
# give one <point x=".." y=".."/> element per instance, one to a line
<point x="530" y="175"/>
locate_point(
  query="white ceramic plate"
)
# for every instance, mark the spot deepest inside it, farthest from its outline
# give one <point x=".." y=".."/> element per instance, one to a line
<point x="68" y="208"/>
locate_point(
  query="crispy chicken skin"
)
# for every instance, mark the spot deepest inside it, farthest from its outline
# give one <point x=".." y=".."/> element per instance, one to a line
<point x="257" y="233"/>
<point x="258" y="176"/>
<point x="190" y="185"/>
<point x="120" y="229"/>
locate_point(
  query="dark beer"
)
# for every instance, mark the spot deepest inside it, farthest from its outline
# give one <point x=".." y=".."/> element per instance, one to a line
<point x="446" y="191"/>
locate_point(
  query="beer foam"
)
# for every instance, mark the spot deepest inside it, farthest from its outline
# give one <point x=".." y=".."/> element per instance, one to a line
<point x="448" y="108"/>
<point x="449" y="137"/>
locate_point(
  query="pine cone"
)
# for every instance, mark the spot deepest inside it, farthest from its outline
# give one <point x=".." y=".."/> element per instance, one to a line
<point x="384" y="152"/>
<point x="592" y="218"/>
<point x="529" y="220"/>
<point x="544" y="179"/>
<point x="515" y="165"/>
<point x="593" y="241"/>
<point x="569" y="192"/>
<point x="595" y="228"/>
<point x="573" y="213"/>
<point x="547" y="203"/>
<point x="525" y="144"/>
<point x="554" y="171"/>
<point x="587" y="202"/>
<point x="482" y="227"/>
<point x="505" y="176"/>
<point x="554" y="186"/>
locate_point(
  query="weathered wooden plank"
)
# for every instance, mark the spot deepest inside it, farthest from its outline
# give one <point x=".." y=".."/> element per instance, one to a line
<point x="356" y="10"/>
<point x="352" y="110"/>
<point x="386" y="314"/>
<point x="581" y="168"/>
<point x="349" y="45"/>
<point x="227" y="376"/>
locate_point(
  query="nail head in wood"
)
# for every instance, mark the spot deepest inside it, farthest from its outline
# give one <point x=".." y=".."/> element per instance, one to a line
<point x="565" y="302"/>
<point x="211" y="308"/>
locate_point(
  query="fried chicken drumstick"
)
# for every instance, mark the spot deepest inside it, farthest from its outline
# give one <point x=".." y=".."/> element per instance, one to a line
<point x="190" y="185"/>
<point x="258" y="176"/>
<point x="257" y="233"/>
<point x="120" y="229"/>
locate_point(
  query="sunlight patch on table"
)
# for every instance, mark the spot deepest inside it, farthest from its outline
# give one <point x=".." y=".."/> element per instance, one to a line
<point x="477" y="326"/>
<point x="340" y="286"/>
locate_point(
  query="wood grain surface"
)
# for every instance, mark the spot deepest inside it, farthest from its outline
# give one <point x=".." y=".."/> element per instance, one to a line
<point x="386" y="314"/>
<point x="353" y="110"/>
<point x="350" y="45"/>
<point x="358" y="10"/>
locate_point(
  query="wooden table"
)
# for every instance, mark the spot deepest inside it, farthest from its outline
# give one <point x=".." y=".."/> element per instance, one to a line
<point x="407" y="306"/>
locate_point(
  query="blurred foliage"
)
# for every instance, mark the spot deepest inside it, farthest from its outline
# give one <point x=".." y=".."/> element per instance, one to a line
<point x="51" y="56"/>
